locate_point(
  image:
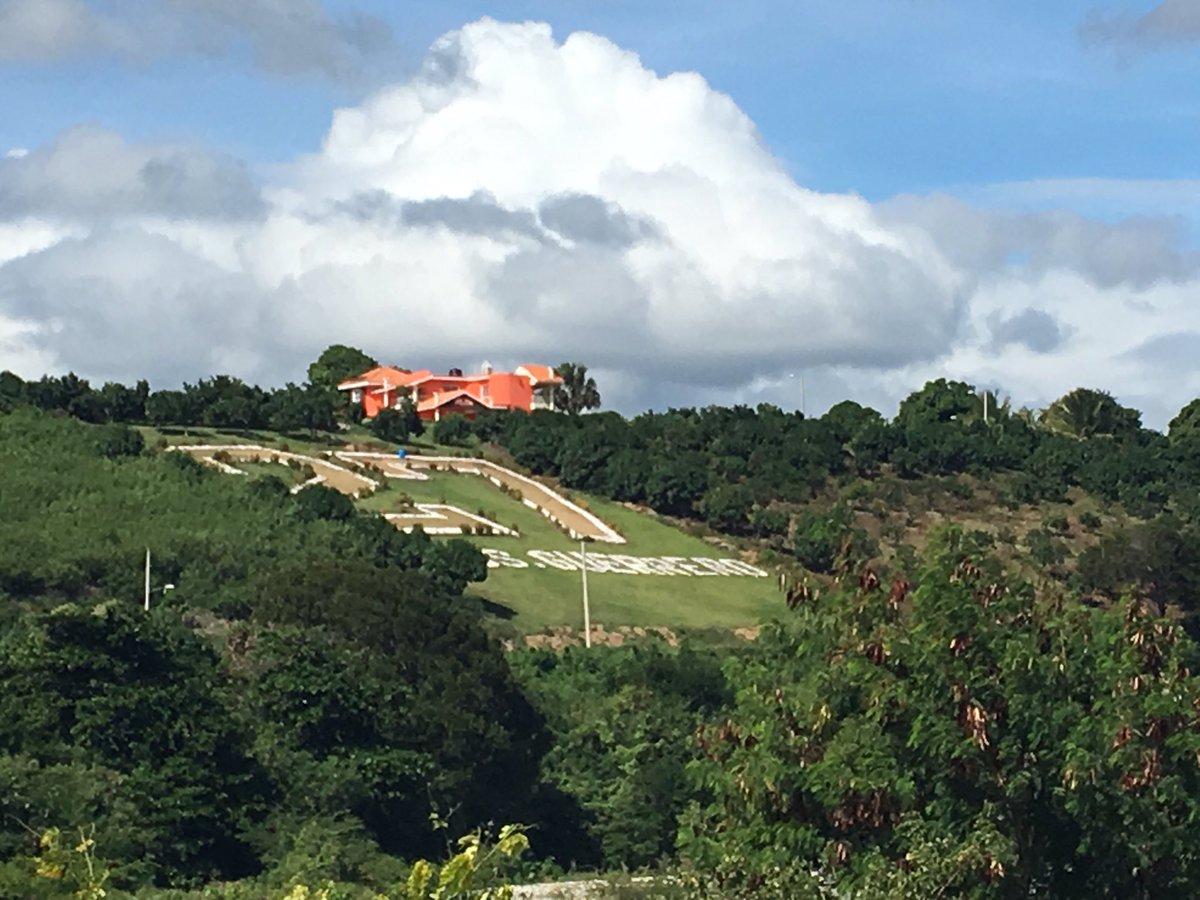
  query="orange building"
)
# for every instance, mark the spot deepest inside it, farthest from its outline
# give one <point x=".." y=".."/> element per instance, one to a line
<point x="530" y="387"/>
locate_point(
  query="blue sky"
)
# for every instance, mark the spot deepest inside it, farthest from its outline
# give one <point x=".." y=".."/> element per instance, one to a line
<point x="1066" y="134"/>
<point x="871" y="96"/>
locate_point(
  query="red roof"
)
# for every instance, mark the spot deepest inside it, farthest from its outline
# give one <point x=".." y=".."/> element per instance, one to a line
<point x="380" y="375"/>
<point x="539" y="374"/>
<point x="508" y="390"/>
<point x="439" y="400"/>
<point x="493" y="390"/>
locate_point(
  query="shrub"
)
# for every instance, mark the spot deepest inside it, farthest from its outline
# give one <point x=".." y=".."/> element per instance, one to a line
<point x="821" y="537"/>
<point x="454" y="430"/>
<point x="1056" y="523"/>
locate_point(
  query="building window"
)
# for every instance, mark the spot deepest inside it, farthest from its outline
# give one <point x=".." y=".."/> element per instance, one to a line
<point x="356" y="395"/>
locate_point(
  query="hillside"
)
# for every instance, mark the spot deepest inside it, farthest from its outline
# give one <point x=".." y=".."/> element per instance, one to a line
<point x="534" y="581"/>
<point x="322" y="696"/>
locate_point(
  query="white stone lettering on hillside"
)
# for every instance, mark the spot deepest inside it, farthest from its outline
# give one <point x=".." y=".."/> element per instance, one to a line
<point x="501" y="559"/>
<point x="622" y="564"/>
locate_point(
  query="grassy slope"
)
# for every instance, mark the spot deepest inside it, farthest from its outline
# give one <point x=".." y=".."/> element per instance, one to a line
<point x="534" y="599"/>
<point x="538" y="598"/>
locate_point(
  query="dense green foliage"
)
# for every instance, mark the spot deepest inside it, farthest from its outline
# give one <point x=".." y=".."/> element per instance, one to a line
<point x="316" y="701"/>
<point x="398" y="425"/>
<point x="964" y="739"/>
<point x="121" y="719"/>
<point x="622" y="719"/>
<point x="338" y="363"/>
<point x="78" y="518"/>
<point x="355" y="694"/>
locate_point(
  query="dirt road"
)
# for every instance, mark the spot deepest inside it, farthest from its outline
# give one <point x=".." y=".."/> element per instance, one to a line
<point x="337" y="477"/>
<point x="577" y="521"/>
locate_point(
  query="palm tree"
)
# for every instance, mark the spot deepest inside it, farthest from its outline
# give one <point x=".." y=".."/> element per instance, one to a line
<point x="1084" y="413"/>
<point x="577" y="391"/>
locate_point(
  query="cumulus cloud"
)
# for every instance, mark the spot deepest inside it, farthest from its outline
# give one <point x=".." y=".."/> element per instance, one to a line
<point x="527" y="199"/>
<point x="125" y="300"/>
<point x="285" y="37"/>
<point x="1031" y="328"/>
<point x="1171" y="21"/>
<point x="90" y="172"/>
<point x="1135" y="252"/>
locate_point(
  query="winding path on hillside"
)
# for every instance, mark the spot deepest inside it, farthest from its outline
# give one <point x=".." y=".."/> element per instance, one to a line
<point x="337" y="477"/>
<point x="573" y="518"/>
<point x="577" y="521"/>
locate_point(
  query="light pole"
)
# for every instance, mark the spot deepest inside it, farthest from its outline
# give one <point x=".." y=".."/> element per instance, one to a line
<point x="163" y="589"/>
<point x="587" y="615"/>
<point x="802" y="399"/>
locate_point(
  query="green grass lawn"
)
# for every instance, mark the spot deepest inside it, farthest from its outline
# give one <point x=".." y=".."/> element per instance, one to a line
<point x="533" y="598"/>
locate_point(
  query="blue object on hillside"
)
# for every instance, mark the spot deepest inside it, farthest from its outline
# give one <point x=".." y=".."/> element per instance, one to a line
<point x="402" y="453"/>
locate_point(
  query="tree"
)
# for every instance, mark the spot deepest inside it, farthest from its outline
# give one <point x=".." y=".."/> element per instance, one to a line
<point x="676" y="483"/>
<point x="822" y="538"/>
<point x="396" y="698"/>
<point x="452" y="565"/>
<point x="578" y="392"/>
<point x="1186" y="424"/>
<point x="397" y="425"/>
<point x="847" y="419"/>
<point x="318" y="501"/>
<point x="623" y="719"/>
<point x="12" y="390"/>
<point x="967" y="738"/>
<point x="172" y="408"/>
<point x="1085" y="413"/>
<point x="938" y="401"/>
<point x="452" y="429"/>
<point x="727" y="507"/>
<point x="293" y="408"/>
<point x="338" y="363"/>
<point x="144" y="702"/>
<point x="122" y="404"/>
<point x="118" y="440"/>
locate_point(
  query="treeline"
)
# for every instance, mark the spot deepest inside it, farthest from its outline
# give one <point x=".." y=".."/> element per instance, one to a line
<point x="746" y="470"/>
<point x="219" y="402"/>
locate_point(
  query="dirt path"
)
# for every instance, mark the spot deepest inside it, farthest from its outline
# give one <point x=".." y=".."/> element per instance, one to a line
<point x="577" y="521"/>
<point x="337" y="477"/>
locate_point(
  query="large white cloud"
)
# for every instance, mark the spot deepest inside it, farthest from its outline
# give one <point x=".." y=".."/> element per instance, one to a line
<point x="525" y="199"/>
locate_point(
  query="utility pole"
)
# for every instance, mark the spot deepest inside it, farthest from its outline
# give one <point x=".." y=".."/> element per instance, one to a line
<point x="985" y="399"/>
<point x="587" y="615"/>
<point x="147" y="604"/>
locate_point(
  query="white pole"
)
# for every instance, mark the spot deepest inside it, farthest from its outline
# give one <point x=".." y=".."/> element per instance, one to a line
<point x="985" y="393"/>
<point x="587" y="615"/>
<point x="147" y="579"/>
